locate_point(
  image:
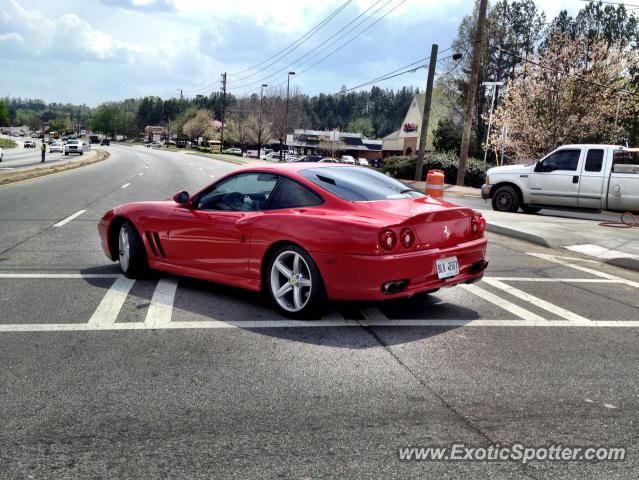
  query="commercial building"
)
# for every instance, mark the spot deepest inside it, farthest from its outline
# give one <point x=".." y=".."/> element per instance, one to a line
<point x="405" y="140"/>
<point x="333" y="143"/>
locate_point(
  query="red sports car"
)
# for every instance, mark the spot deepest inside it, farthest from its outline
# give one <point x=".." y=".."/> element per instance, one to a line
<point x="304" y="233"/>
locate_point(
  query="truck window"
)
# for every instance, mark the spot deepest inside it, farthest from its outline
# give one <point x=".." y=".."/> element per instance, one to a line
<point x="594" y="160"/>
<point x="561" y="160"/>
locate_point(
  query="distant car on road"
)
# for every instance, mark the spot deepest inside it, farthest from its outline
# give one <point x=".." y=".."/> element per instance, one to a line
<point x="377" y="163"/>
<point x="328" y="160"/>
<point x="75" y="146"/>
<point x="105" y="141"/>
<point x="29" y="144"/>
<point x="362" y="162"/>
<point x="272" y="157"/>
<point x="347" y="159"/>
<point x="1" y="154"/>
<point x="56" y="147"/>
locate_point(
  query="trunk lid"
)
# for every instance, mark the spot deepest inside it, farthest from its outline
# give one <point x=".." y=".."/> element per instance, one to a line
<point x="437" y="224"/>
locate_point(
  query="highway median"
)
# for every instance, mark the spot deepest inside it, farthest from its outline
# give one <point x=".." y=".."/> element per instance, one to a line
<point x="94" y="156"/>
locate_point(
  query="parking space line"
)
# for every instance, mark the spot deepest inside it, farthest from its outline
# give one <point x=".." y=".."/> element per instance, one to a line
<point x="140" y="174"/>
<point x="125" y="185"/>
<point x="581" y="268"/>
<point x="552" y="280"/>
<point x="538" y="302"/>
<point x="69" y="218"/>
<point x="504" y="304"/>
<point x="161" y="308"/>
<point x="111" y="304"/>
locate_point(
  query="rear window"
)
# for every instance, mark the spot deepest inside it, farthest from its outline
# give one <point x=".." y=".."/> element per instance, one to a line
<point x="359" y="184"/>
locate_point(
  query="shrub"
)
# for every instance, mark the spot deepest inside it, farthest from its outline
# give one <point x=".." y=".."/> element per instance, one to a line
<point x="404" y="167"/>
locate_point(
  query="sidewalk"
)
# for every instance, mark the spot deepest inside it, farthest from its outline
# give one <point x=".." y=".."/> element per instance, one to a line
<point x="448" y="189"/>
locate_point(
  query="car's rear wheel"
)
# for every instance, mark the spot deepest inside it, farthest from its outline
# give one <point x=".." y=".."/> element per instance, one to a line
<point x="295" y="283"/>
<point x="131" y="253"/>
<point x="505" y="199"/>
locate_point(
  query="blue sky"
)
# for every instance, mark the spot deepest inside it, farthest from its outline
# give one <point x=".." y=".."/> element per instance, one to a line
<point x="85" y="51"/>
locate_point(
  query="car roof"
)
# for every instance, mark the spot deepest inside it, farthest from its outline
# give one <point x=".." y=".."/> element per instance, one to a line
<point x="292" y="167"/>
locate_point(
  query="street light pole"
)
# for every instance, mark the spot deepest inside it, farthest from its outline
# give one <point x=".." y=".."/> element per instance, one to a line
<point x="259" y="125"/>
<point x="288" y="85"/>
<point x="490" y="115"/>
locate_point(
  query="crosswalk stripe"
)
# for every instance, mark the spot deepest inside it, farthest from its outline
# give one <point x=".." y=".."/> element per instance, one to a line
<point x="504" y="304"/>
<point x="563" y="313"/>
<point x="111" y="304"/>
<point x="161" y="308"/>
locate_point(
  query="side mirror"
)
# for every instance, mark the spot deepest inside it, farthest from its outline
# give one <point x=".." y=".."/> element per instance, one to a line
<point x="181" y="198"/>
<point x="538" y="166"/>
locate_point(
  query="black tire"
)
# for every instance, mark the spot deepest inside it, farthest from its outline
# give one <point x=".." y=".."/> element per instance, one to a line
<point x="81" y="153"/>
<point x="137" y="264"/>
<point x="529" y="210"/>
<point x="315" y="302"/>
<point x="505" y="199"/>
<point x="66" y="153"/>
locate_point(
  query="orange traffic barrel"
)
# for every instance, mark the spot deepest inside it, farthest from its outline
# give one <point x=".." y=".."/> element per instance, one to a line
<point x="435" y="183"/>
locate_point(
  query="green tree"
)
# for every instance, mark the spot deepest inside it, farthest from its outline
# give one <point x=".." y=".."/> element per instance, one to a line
<point x="4" y="114"/>
<point x="363" y="125"/>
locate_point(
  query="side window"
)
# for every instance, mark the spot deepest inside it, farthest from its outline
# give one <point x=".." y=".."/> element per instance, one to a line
<point x="243" y="192"/>
<point x="561" y="160"/>
<point x="594" y="160"/>
<point x="290" y="194"/>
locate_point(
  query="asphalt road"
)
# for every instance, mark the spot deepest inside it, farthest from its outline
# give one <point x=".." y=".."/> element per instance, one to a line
<point x="20" y="158"/>
<point x="175" y="378"/>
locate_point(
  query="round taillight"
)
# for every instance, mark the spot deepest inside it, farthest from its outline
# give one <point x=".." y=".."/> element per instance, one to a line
<point x="407" y="238"/>
<point x="387" y="239"/>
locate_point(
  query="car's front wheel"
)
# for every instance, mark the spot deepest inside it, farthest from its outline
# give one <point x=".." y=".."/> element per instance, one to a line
<point x="505" y="199"/>
<point x="295" y="283"/>
<point x="131" y="253"/>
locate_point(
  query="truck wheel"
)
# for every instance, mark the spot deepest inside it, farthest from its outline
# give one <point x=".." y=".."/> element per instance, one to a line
<point x="505" y="199"/>
<point x="529" y="210"/>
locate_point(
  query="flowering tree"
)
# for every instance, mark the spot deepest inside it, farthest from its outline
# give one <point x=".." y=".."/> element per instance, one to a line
<point x="573" y="93"/>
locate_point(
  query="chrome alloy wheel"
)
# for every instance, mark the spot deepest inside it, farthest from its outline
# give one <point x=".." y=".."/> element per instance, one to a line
<point x="124" y="248"/>
<point x="291" y="281"/>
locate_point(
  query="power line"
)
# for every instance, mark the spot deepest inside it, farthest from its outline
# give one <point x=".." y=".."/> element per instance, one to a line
<point x="611" y="3"/>
<point x="321" y="47"/>
<point x="293" y="46"/>
<point x="351" y="39"/>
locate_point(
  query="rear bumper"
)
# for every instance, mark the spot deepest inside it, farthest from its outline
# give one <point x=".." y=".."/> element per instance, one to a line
<point x="485" y="191"/>
<point x="360" y="277"/>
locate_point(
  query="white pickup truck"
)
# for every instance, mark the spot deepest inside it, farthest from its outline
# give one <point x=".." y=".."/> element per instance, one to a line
<point x="589" y="177"/>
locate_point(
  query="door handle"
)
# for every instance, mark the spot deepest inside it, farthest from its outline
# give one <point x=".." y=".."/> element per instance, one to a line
<point x="575" y="179"/>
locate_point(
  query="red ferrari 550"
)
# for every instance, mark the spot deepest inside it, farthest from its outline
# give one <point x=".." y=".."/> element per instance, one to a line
<point x="303" y="233"/>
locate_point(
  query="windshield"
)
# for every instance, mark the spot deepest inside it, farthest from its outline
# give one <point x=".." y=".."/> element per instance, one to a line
<point x="72" y="142"/>
<point x="358" y="184"/>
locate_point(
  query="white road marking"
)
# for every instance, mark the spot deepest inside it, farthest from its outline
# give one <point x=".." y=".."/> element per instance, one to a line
<point x="7" y="168"/>
<point x="257" y="324"/>
<point x="140" y="174"/>
<point x="599" y="252"/>
<point x="504" y="304"/>
<point x="110" y="306"/>
<point x="125" y="185"/>
<point x="200" y="170"/>
<point x="59" y="275"/>
<point x="161" y="308"/>
<point x="538" y="302"/>
<point x="553" y="280"/>
<point x="212" y="176"/>
<point x="69" y="218"/>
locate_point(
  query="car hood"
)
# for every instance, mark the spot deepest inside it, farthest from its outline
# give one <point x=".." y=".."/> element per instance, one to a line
<point x="515" y="169"/>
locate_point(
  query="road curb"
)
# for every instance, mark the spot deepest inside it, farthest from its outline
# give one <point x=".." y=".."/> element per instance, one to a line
<point x="514" y="233"/>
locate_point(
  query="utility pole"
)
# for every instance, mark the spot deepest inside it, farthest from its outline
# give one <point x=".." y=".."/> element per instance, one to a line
<point x="423" y="134"/>
<point x="490" y="115"/>
<point x="223" y="108"/>
<point x="288" y="84"/>
<point x="472" y="87"/>
<point x="259" y="125"/>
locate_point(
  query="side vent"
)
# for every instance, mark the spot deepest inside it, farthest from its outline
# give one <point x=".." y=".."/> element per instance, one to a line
<point x="159" y="244"/>
<point x="151" y="243"/>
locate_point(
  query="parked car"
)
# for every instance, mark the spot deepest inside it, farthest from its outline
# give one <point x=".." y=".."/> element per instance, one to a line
<point x="1" y="154"/>
<point x="362" y="162"/>
<point x="75" y="146"/>
<point x="233" y="151"/>
<point x="310" y="158"/>
<point x="377" y="163"/>
<point x="409" y="243"/>
<point x="347" y="159"/>
<point x="272" y="157"/>
<point x="29" y="144"/>
<point x="593" y="177"/>
<point x="56" y="147"/>
<point x="328" y="160"/>
<point x="181" y="143"/>
<point x="105" y="142"/>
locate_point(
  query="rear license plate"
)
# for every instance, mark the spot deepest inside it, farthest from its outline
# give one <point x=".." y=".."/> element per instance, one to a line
<point x="447" y="267"/>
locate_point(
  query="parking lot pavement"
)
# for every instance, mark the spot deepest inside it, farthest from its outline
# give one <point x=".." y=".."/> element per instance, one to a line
<point x="177" y="378"/>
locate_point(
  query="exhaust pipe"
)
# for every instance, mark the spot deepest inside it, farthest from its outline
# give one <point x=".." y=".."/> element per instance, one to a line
<point x="478" y="267"/>
<point x="394" y="286"/>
